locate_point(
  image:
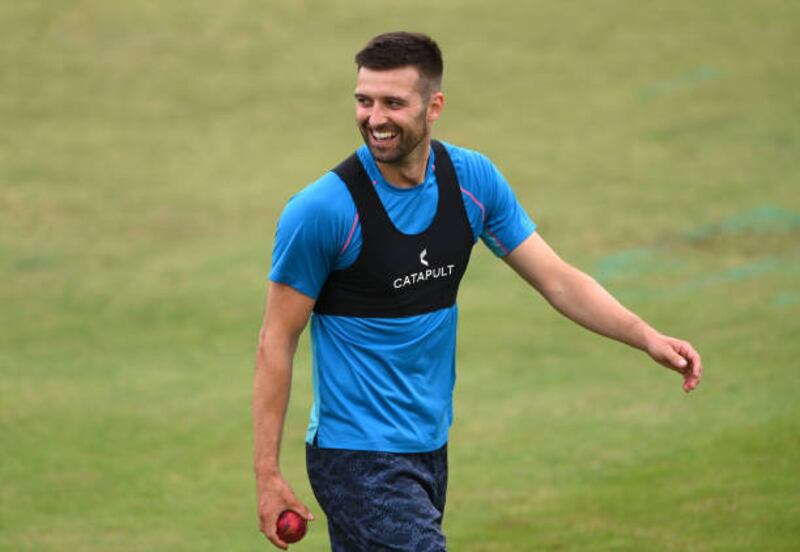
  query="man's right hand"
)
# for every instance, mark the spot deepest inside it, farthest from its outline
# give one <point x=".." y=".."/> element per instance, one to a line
<point x="275" y="496"/>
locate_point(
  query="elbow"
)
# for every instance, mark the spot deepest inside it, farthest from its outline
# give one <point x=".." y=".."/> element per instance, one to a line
<point x="274" y="343"/>
<point x="565" y="286"/>
<point x="555" y="294"/>
<point x="262" y="349"/>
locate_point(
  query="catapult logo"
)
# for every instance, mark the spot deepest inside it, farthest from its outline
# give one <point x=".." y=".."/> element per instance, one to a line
<point x="423" y="275"/>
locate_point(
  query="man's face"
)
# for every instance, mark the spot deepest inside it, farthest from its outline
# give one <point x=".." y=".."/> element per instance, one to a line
<point x="392" y="113"/>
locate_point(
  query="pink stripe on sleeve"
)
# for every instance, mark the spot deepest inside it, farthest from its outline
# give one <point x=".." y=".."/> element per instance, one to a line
<point x="350" y="236"/>
<point x="483" y="218"/>
<point x="478" y="203"/>
<point x="498" y="242"/>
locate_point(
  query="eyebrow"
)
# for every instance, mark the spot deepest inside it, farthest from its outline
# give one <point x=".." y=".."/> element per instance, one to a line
<point x="358" y="95"/>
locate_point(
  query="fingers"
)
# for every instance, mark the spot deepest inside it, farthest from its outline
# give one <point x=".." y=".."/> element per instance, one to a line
<point x="680" y="356"/>
<point x="694" y="372"/>
<point x="677" y="361"/>
<point x="692" y="368"/>
<point x="275" y="539"/>
<point x="269" y="526"/>
<point x="303" y="510"/>
<point x="273" y="505"/>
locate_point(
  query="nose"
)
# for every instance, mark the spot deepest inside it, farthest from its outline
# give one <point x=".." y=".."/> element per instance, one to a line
<point x="377" y="116"/>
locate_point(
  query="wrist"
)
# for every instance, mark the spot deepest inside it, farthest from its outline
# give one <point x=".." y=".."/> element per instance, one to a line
<point x="643" y="336"/>
<point x="267" y="470"/>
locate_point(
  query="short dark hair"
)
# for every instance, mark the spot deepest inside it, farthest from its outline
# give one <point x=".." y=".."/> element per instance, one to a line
<point x="401" y="49"/>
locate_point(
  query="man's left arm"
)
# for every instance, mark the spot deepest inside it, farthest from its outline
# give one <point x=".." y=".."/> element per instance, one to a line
<point x="580" y="298"/>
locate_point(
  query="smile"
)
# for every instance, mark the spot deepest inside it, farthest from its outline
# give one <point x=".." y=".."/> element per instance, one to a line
<point x="383" y="135"/>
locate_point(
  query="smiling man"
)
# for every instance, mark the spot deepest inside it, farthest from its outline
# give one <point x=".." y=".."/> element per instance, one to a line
<point x="372" y="254"/>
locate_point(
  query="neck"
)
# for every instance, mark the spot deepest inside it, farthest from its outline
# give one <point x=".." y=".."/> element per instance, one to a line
<point x="409" y="171"/>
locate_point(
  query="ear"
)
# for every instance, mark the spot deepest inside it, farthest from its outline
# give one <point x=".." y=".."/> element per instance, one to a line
<point x="435" y="106"/>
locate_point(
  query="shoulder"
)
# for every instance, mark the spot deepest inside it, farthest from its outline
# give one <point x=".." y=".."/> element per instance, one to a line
<point x="310" y="234"/>
<point x="324" y="205"/>
<point x="503" y="223"/>
<point x="480" y="180"/>
<point x="472" y="167"/>
<point x="327" y="196"/>
<point x="319" y="215"/>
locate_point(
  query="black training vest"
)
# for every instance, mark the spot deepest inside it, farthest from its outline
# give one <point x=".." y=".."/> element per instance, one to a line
<point x="400" y="274"/>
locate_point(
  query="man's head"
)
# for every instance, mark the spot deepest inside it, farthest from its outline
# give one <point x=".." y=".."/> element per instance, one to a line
<point x="402" y="49"/>
<point x="398" y="95"/>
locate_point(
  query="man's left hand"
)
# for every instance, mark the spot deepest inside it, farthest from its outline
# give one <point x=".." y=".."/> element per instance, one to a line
<point x="680" y="356"/>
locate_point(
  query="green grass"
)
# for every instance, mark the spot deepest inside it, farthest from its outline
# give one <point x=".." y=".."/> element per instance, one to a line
<point x="146" y="149"/>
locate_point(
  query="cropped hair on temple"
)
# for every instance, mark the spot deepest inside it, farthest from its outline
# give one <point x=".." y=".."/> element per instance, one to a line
<point x="401" y="49"/>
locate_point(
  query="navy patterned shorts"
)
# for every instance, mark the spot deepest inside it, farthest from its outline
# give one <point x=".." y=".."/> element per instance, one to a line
<point x="380" y="501"/>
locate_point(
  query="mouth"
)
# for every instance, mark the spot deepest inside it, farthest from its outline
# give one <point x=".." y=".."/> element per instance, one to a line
<point x="382" y="137"/>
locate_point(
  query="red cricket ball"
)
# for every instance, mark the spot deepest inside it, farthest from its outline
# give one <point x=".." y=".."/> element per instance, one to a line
<point x="291" y="526"/>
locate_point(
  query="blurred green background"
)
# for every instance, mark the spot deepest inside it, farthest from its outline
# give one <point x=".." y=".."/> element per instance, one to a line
<point x="147" y="148"/>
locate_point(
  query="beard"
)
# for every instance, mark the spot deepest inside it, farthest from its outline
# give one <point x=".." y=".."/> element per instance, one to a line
<point x="395" y="150"/>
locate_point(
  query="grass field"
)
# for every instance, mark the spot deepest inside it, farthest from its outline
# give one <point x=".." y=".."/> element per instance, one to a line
<point x="146" y="149"/>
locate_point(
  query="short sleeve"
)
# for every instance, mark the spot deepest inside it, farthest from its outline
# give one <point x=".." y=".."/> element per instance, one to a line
<point x="494" y="212"/>
<point x="310" y="234"/>
<point x="507" y="224"/>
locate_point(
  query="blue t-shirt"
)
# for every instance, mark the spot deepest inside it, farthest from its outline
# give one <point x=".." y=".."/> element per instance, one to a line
<point x="385" y="384"/>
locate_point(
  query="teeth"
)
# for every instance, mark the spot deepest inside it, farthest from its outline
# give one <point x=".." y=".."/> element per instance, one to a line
<point x="382" y="135"/>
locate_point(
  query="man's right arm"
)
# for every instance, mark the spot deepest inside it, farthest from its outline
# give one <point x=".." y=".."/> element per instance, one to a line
<point x="286" y="314"/>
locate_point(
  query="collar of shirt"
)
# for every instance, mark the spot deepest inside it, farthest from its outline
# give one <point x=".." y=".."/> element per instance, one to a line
<point x="377" y="178"/>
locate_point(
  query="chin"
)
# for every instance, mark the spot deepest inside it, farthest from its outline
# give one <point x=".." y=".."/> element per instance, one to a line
<point x="385" y="156"/>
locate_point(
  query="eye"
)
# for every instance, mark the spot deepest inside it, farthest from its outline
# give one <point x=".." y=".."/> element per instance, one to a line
<point x="394" y="104"/>
<point x="363" y="101"/>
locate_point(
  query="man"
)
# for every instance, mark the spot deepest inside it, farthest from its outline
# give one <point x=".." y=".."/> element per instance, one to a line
<point x="372" y="253"/>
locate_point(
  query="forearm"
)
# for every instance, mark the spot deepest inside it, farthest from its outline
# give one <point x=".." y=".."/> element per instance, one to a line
<point x="582" y="299"/>
<point x="271" y="391"/>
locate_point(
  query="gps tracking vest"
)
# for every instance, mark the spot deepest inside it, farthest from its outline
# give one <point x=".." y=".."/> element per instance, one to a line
<point x="400" y="274"/>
